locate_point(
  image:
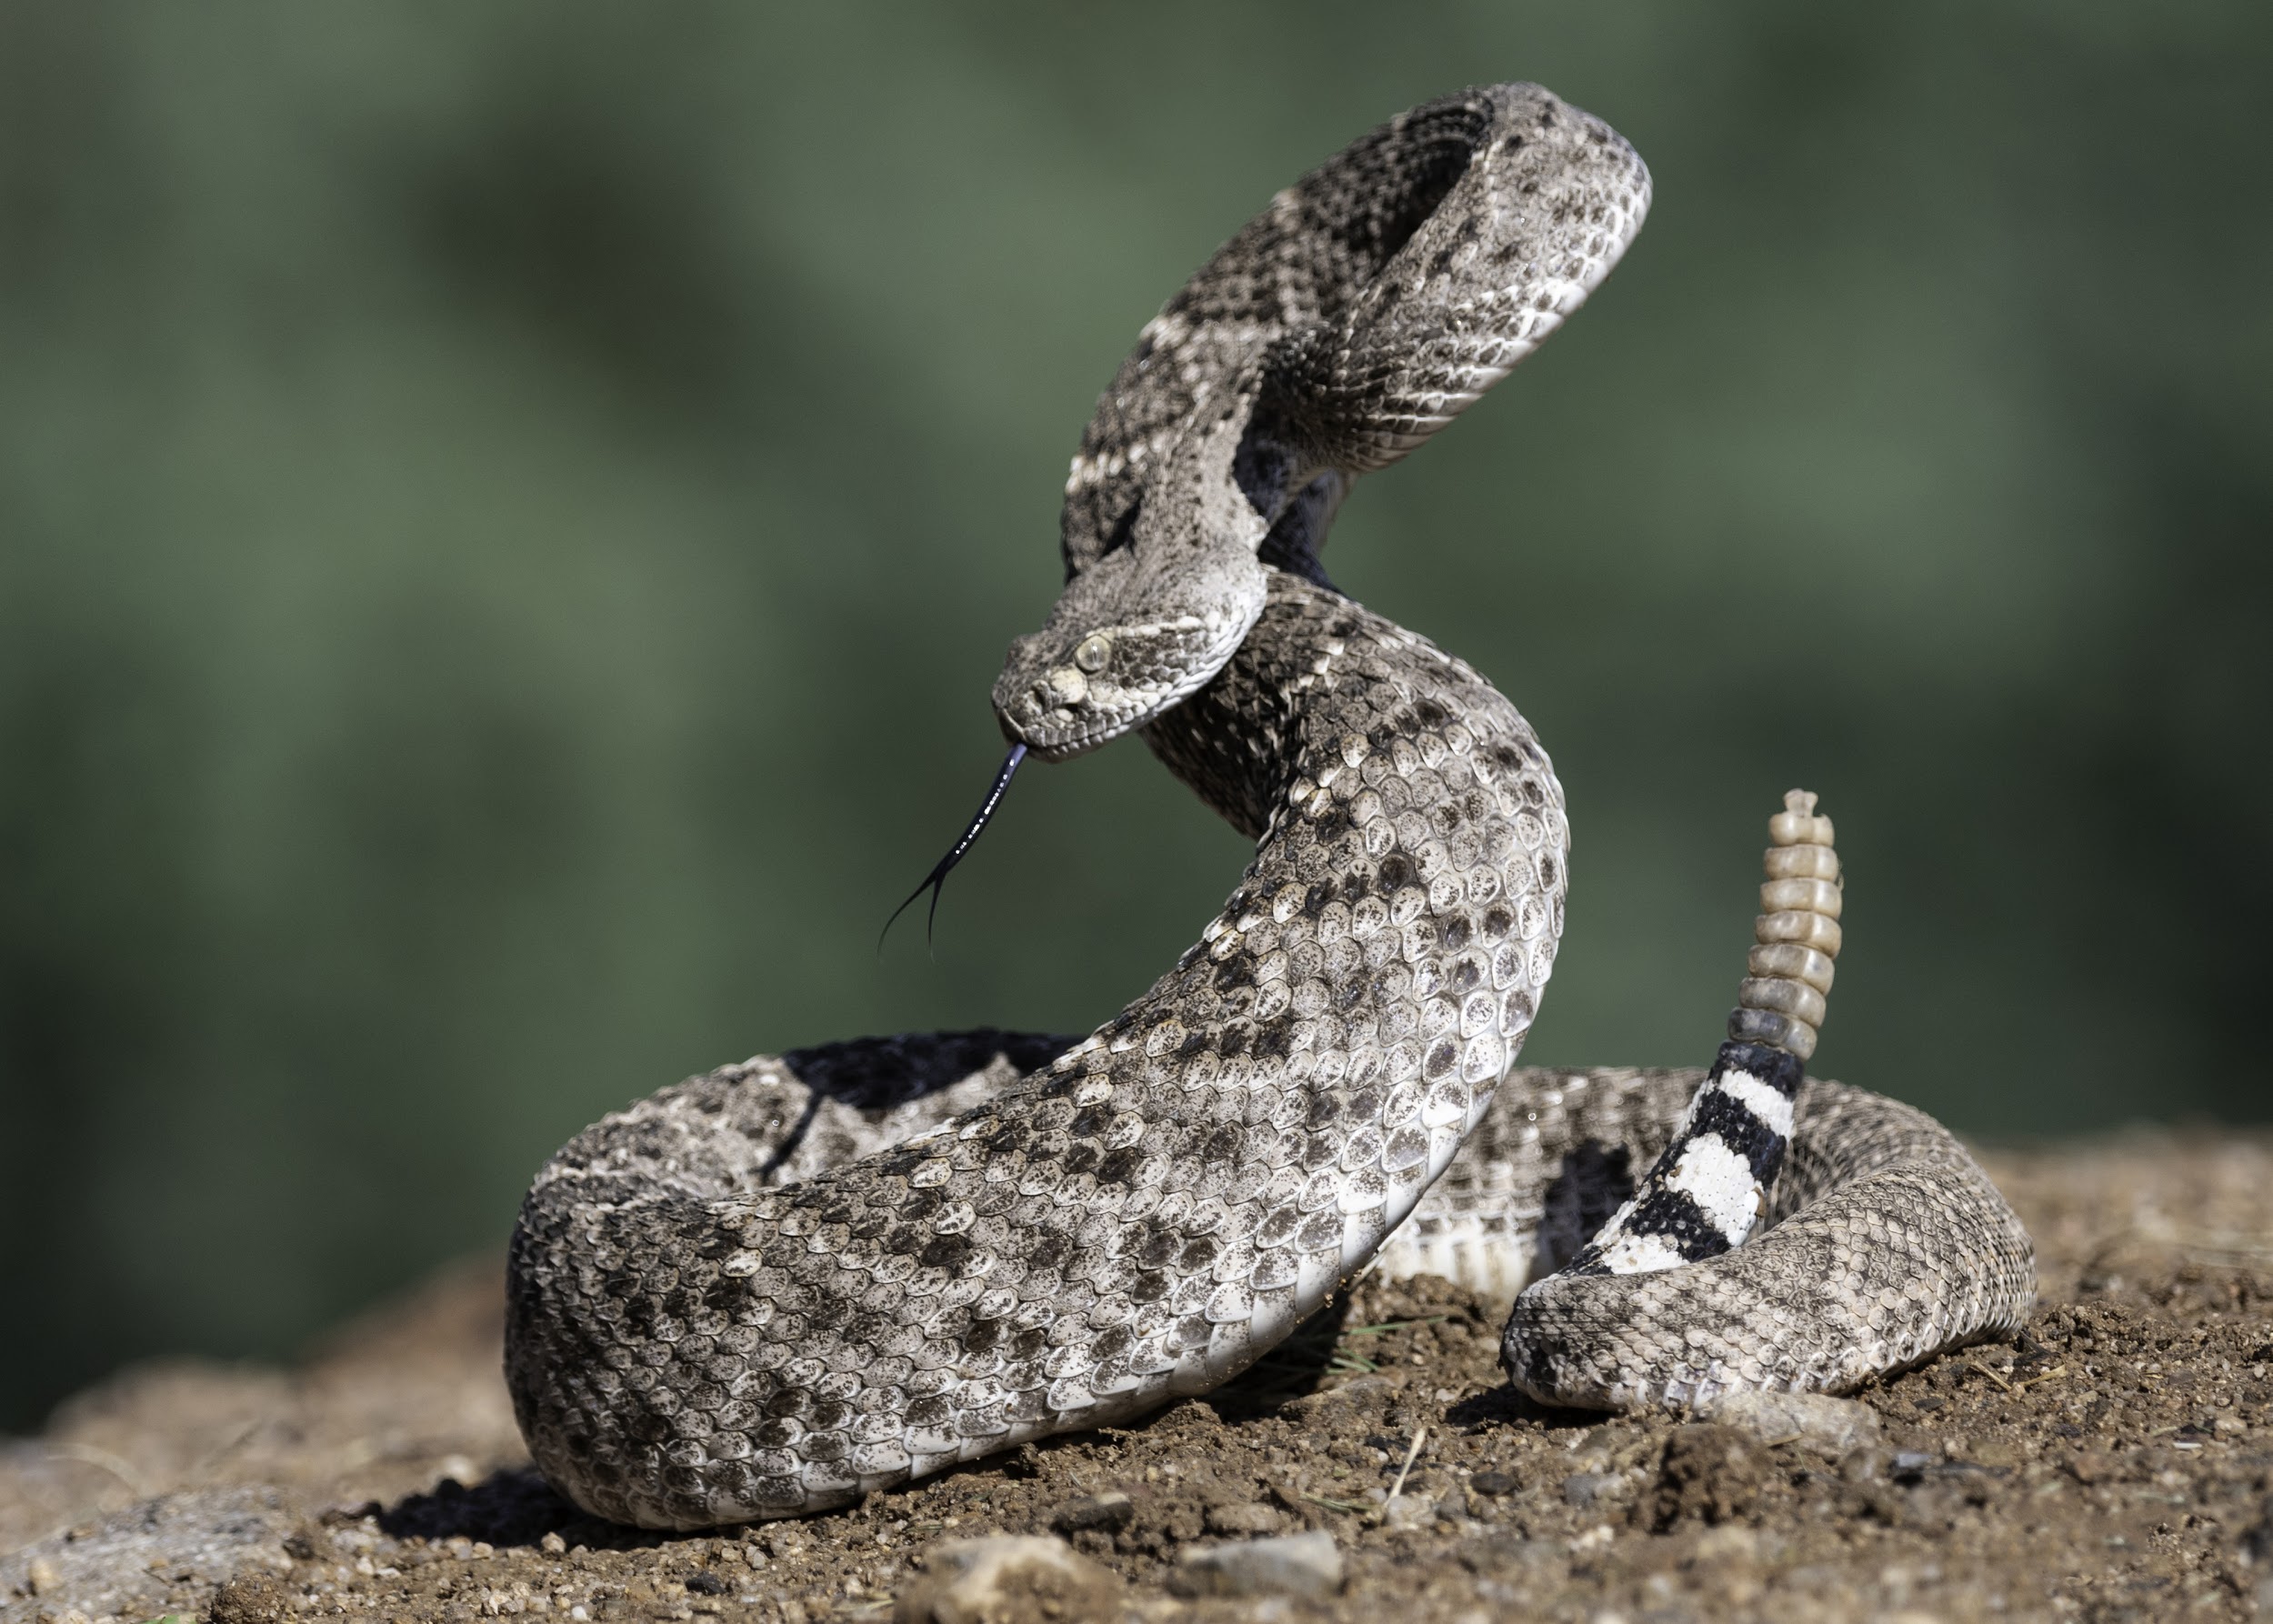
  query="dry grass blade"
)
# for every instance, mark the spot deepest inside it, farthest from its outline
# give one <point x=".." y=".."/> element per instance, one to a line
<point x="1386" y="1326"/>
<point x="102" y="1461"/>
<point x="1411" y="1455"/>
<point x="1992" y="1375"/>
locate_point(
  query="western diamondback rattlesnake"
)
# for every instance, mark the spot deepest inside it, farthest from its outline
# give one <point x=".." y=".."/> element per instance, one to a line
<point x="773" y="1289"/>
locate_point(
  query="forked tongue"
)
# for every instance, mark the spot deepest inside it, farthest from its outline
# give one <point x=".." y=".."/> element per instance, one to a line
<point x="938" y="877"/>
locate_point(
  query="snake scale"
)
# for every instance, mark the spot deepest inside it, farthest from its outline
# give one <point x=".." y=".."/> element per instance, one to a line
<point x="774" y="1288"/>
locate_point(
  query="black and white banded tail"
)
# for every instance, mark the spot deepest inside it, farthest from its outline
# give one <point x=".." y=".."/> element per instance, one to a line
<point x="1710" y="1186"/>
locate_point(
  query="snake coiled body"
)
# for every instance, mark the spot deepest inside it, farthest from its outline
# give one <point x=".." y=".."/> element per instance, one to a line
<point x="774" y="1288"/>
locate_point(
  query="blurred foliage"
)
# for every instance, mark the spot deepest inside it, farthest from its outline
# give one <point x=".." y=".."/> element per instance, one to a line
<point x="508" y="515"/>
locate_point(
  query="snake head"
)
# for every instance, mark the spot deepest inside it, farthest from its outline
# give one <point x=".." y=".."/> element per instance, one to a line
<point x="1131" y="636"/>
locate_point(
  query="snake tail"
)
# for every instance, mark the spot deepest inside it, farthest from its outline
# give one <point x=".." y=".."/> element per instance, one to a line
<point x="1709" y="1187"/>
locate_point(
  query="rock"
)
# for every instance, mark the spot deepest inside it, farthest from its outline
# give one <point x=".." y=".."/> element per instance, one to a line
<point x="1831" y="1426"/>
<point x="1364" y="1394"/>
<point x="1731" y="1542"/>
<point x="1708" y="1471"/>
<point x="126" y="1564"/>
<point x="250" y="1599"/>
<point x="1245" y="1517"/>
<point x="1012" y="1579"/>
<point x="1494" y="1483"/>
<point x="1407" y="1510"/>
<point x="1105" y="1513"/>
<point x="1301" y="1565"/>
<point x="1543" y="1562"/>
<point x="1583" y="1488"/>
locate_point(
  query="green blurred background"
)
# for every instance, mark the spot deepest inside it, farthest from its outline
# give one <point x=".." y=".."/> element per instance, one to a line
<point x="508" y="515"/>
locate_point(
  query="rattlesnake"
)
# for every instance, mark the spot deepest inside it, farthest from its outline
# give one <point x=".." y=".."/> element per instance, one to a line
<point x="793" y="1282"/>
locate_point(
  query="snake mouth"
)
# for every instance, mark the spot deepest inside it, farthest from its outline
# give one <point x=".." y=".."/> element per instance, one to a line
<point x="1067" y="747"/>
<point x="1049" y="729"/>
<point x="1061" y="733"/>
<point x="1065" y="712"/>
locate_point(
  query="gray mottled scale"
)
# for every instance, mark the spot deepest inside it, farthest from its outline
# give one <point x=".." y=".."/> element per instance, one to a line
<point x="773" y="1289"/>
<point x="1382" y="293"/>
<point x="1143" y="1217"/>
<point x="1891" y="1242"/>
<point x="1884" y="1242"/>
<point x="1553" y="1157"/>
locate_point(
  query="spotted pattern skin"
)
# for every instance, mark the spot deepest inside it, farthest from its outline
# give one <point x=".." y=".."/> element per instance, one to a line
<point x="771" y="1289"/>
<point x="1367" y="305"/>
<point x="1141" y="1217"/>
<point x="1883" y="1243"/>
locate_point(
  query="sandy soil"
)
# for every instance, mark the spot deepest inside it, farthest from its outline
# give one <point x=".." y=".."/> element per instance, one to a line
<point x="2114" y="1462"/>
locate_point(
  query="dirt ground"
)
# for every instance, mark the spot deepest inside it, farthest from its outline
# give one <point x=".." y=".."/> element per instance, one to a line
<point x="2114" y="1462"/>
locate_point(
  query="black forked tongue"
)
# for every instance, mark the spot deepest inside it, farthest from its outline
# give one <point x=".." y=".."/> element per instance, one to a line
<point x="938" y="877"/>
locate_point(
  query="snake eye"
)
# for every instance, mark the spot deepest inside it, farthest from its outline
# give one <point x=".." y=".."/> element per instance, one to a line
<point x="1091" y="652"/>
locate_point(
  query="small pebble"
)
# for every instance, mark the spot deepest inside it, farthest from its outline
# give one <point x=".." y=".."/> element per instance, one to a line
<point x="1494" y="1483"/>
<point x="1833" y="1426"/>
<point x="1108" y="1512"/>
<point x="1361" y="1393"/>
<point x="1303" y="1565"/>
<point x="1407" y="1510"/>
<point x="1245" y="1517"/>
<point x="1583" y="1488"/>
<point x="1727" y="1543"/>
<point x="1010" y="1575"/>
